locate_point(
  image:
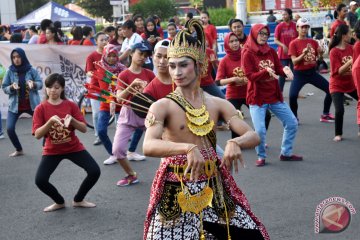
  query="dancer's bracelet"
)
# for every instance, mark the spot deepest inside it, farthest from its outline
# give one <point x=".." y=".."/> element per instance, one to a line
<point x="192" y="148"/>
<point x="234" y="141"/>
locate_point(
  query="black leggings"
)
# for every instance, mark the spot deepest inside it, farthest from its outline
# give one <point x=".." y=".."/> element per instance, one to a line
<point x="48" y="165"/>
<point x="338" y="100"/>
<point x="237" y="103"/>
<point x="303" y="77"/>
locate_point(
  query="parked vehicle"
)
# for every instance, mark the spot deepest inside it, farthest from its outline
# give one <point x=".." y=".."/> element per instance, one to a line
<point x="181" y="12"/>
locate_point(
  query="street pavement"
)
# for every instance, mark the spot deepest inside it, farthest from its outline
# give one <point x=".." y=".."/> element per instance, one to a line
<point x="284" y="195"/>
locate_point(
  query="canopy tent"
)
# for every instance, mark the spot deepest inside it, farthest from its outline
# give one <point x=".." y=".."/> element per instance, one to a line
<point x="54" y="12"/>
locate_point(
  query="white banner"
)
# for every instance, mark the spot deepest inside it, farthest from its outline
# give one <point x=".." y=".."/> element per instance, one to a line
<point x="46" y="59"/>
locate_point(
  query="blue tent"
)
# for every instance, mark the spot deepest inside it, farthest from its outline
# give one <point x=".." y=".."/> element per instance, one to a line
<point x="54" y="12"/>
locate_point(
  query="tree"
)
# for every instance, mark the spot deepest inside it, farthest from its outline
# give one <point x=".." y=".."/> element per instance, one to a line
<point x="163" y="8"/>
<point x="315" y="4"/>
<point x="97" y="8"/>
<point x="24" y="7"/>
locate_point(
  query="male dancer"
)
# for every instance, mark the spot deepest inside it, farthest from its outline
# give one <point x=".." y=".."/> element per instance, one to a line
<point x="180" y="128"/>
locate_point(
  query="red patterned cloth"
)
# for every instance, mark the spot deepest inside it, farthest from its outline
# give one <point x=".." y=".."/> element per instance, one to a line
<point x="229" y="185"/>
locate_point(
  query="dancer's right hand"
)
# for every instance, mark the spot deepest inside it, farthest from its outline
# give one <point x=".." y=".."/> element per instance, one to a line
<point x="195" y="162"/>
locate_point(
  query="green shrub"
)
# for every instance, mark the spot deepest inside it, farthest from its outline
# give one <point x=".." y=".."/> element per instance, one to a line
<point x="99" y="27"/>
<point x="163" y="8"/>
<point x="221" y="16"/>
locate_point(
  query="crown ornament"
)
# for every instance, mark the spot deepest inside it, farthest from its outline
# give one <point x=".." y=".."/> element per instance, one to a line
<point x="186" y="45"/>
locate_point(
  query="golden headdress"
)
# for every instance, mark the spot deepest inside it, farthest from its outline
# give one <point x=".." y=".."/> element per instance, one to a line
<point x="186" y="45"/>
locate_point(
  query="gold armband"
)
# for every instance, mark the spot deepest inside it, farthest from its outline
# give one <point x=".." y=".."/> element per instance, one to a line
<point x="151" y="121"/>
<point x="237" y="115"/>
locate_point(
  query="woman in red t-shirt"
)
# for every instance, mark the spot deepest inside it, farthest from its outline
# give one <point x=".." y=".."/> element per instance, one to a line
<point x="210" y="30"/>
<point x="52" y="37"/>
<point x="119" y="37"/>
<point x="339" y="15"/>
<point x="88" y="33"/>
<point x="132" y="80"/>
<point x="356" y="69"/>
<point x="304" y="52"/>
<point x="262" y="67"/>
<point x="341" y="80"/>
<point x="56" y="119"/>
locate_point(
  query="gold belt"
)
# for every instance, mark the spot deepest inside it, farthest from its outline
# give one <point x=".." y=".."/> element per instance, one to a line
<point x="180" y="169"/>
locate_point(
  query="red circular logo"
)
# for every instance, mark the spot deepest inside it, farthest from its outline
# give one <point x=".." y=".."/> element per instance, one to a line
<point x="335" y="218"/>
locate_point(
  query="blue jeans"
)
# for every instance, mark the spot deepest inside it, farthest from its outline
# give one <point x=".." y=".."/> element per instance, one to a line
<point x="95" y="108"/>
<point x="304" y="77"/>
<point x="103" y="121"/>
<point x="214" y="90"/>
<point x="284" y="114"/>
<point x="10" y="127"/>
<point x="285" y="62"/>
<point x="135" y="139"/>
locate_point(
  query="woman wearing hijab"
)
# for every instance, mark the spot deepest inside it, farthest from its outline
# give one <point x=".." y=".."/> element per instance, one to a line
<point x="22" y="83"/>
<point x="262" y="67"/>
<point x="110" y="62"/>
<point x="231" y="74"/>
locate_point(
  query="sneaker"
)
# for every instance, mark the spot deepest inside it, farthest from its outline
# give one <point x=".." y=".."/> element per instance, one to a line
<point x="2" y="136"/>
<point x="133" y="156"/>
<point x="290" y="158"/>
<point x="111" y="160"/>
<point x="327" y="118"/>
<point x="128" y="180"/>
<point x="97" y="141"/>
<point x="260" y="162"/>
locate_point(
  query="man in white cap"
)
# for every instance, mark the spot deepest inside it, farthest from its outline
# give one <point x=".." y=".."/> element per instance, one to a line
<point x="351" y="17"/>
<point x="161" y="85"/>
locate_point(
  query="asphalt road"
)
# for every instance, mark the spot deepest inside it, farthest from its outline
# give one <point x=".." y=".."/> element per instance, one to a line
<point x="283" y="195"/>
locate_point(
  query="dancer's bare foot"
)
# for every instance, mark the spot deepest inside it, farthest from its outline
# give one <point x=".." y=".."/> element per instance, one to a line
<point x="54" y="207"/>
<point x="337" y="138"/>
<point x="16" y="154"/>
<point x="84" y="204"/>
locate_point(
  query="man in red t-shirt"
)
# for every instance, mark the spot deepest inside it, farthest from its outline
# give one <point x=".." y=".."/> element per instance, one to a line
<point x="161" y="85"/>
<point x="101" y="40"/>
<point x="285" y="32"/>
<point x="45" y="23"/>
<point x="304" y="51"/>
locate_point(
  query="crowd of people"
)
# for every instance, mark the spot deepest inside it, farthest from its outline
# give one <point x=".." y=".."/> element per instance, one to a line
<point x="169" y="89"/>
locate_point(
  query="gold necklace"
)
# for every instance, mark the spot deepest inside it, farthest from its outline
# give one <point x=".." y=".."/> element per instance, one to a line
<point x="198" y="119"/>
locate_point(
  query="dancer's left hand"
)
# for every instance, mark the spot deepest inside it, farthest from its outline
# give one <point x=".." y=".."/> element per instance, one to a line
<point x="232" y="154"/>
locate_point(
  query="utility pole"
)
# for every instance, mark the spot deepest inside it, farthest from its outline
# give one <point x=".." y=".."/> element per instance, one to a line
<point x="7" y="11"/>
<point x="241" y="12"/>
